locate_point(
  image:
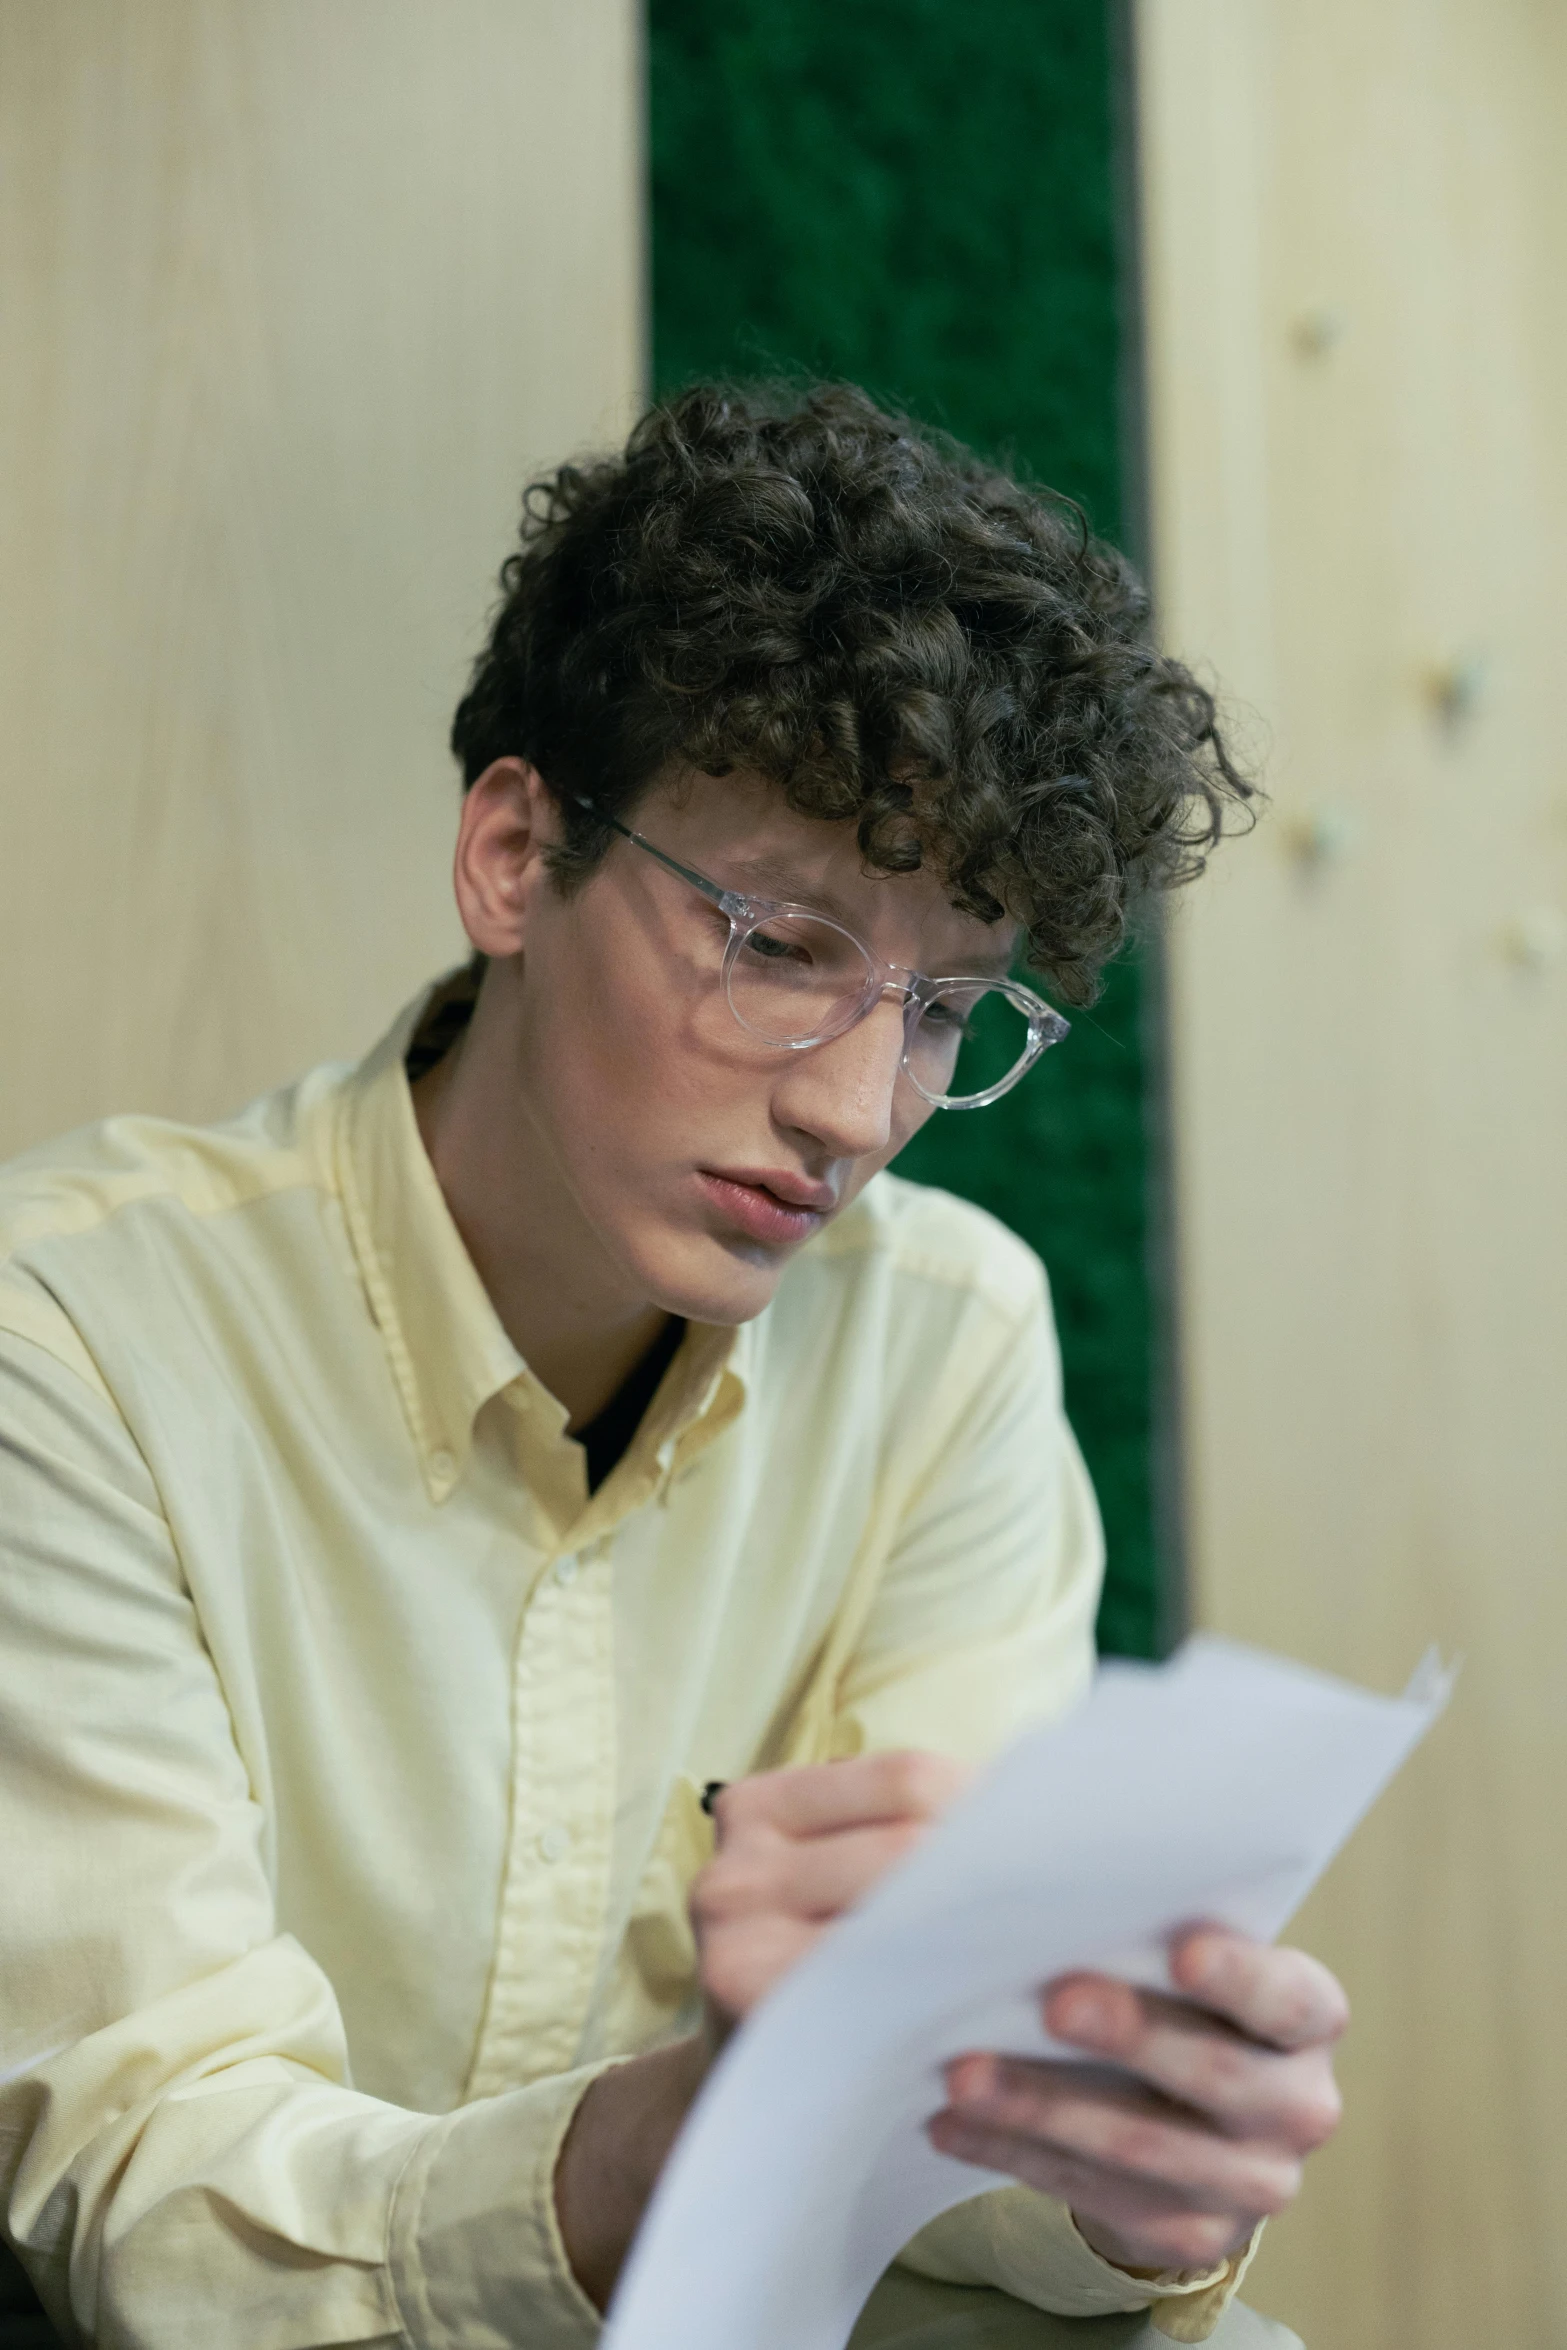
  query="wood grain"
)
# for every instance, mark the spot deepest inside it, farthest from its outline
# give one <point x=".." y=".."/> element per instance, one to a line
<point x="1356" y="231"/>
<point x="293" y="298"/>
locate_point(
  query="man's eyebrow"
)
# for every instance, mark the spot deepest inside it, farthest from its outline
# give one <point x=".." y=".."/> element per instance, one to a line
<point x="777" y="874"/>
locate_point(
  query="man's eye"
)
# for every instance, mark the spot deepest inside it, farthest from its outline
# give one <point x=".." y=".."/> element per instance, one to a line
<point x="769" y="949"/>
<point x="948" y="1016"/>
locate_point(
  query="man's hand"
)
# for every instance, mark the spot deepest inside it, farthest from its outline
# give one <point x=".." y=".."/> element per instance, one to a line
<point x="1174" y="2167"/>
<point x="795" y="1849"/>
<point x="1169" y="2161"/>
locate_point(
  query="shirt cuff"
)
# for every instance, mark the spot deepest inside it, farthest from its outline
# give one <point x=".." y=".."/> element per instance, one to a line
<point x="476" y="2255"/>
<point x="1189" y="2306"/>
<point x="1026" y="2244"/>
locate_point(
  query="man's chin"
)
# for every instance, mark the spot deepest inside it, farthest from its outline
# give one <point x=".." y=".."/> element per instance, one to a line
<point x="724" y="1282"/>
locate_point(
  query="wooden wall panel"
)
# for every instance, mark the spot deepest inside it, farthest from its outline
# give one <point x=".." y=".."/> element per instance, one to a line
<point x="1356" y="227"/>
<point x="292" y="298"/>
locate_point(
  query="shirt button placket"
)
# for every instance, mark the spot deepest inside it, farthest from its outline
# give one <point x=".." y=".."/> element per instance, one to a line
<point x="555" y="1890"/>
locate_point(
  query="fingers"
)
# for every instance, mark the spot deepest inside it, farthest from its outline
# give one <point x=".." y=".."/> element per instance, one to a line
<point x="823" y="1797"/>
<point x="1284" y="1997"/>
<point x="1178" y="2163"/>
<point x="812" y="1877"/>
<point x="807" y="1843"/>
<point x="795" y="1849"/>
<point x="1135" y="2222"/>
<point x="1174" y="2167"/>
<point x="1200" y="2061"/>
<point x="743" y="1958"/>
<point x="1125" y="2130"/>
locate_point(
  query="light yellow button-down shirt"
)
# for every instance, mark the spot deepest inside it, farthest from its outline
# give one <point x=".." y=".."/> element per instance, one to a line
<point x="349" y="1750"/>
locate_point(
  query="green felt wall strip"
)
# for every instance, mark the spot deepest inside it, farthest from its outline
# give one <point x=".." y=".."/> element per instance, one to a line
<point x="921" y="195"/>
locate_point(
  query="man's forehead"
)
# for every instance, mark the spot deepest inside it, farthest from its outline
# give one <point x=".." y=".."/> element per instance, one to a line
<point x="807" y="882"/>
<point x="754" y="842"/>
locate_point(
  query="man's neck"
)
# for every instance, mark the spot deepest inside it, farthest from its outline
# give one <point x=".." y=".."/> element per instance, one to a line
<point x="568" y="1316"/>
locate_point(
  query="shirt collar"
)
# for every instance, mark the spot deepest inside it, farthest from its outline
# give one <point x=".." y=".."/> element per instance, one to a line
<point x="448" y="1352"/>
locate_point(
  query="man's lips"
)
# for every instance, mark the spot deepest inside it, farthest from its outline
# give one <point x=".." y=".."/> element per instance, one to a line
<point x="776" y="1206"/>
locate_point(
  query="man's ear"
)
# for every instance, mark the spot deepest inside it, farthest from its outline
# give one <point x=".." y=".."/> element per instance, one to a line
<point x="508" y="820"/>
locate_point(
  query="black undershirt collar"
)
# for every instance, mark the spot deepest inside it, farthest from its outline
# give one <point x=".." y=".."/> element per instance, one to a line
<point x="608" y="1435"/>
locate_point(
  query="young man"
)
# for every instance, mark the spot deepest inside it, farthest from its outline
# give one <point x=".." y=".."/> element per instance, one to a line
<point x="416" y="1490"/>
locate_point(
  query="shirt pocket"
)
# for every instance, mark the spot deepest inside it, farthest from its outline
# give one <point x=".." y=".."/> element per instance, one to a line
<point x="656" y="1994"/>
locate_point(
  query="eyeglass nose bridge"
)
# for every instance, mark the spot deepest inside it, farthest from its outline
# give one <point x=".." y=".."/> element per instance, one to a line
<point x="911" y="990"/>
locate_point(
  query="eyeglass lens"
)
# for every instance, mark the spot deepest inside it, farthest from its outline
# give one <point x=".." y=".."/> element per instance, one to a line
<point x="797" y="979"/>
<point x="968" y="1040"/>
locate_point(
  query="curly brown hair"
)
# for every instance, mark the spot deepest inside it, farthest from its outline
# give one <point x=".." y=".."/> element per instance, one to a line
<point x="800" y="584"/>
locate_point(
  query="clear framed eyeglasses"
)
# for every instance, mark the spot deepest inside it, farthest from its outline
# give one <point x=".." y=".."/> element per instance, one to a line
<point x="796" y="978"/>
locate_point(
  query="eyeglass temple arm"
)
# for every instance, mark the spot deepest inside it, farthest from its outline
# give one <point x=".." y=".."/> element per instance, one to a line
<point x="709" y="889"/>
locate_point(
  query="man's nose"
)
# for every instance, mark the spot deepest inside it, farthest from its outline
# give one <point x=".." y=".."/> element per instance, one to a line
<point x="841" y="1093"/>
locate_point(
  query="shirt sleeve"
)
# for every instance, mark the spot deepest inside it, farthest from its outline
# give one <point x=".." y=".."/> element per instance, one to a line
<point x="1025" y="2244"/>
<point x="982" y="1625"/>
<point x="182" y="2158"/>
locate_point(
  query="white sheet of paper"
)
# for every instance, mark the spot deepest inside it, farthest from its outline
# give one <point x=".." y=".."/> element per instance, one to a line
<point x="1216" y="1786"/>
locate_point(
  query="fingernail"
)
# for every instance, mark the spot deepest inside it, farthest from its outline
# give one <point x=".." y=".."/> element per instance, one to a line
<point x="1201" y="1958"/>
<point x="970" y="2079"/>
<point x="1087" y="2015"/>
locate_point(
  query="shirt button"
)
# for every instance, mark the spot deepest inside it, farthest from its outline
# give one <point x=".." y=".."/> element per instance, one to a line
<point x="565" y="1568"/>
<point x="554" y="1843"/>
<point x="443" y="1463"/>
